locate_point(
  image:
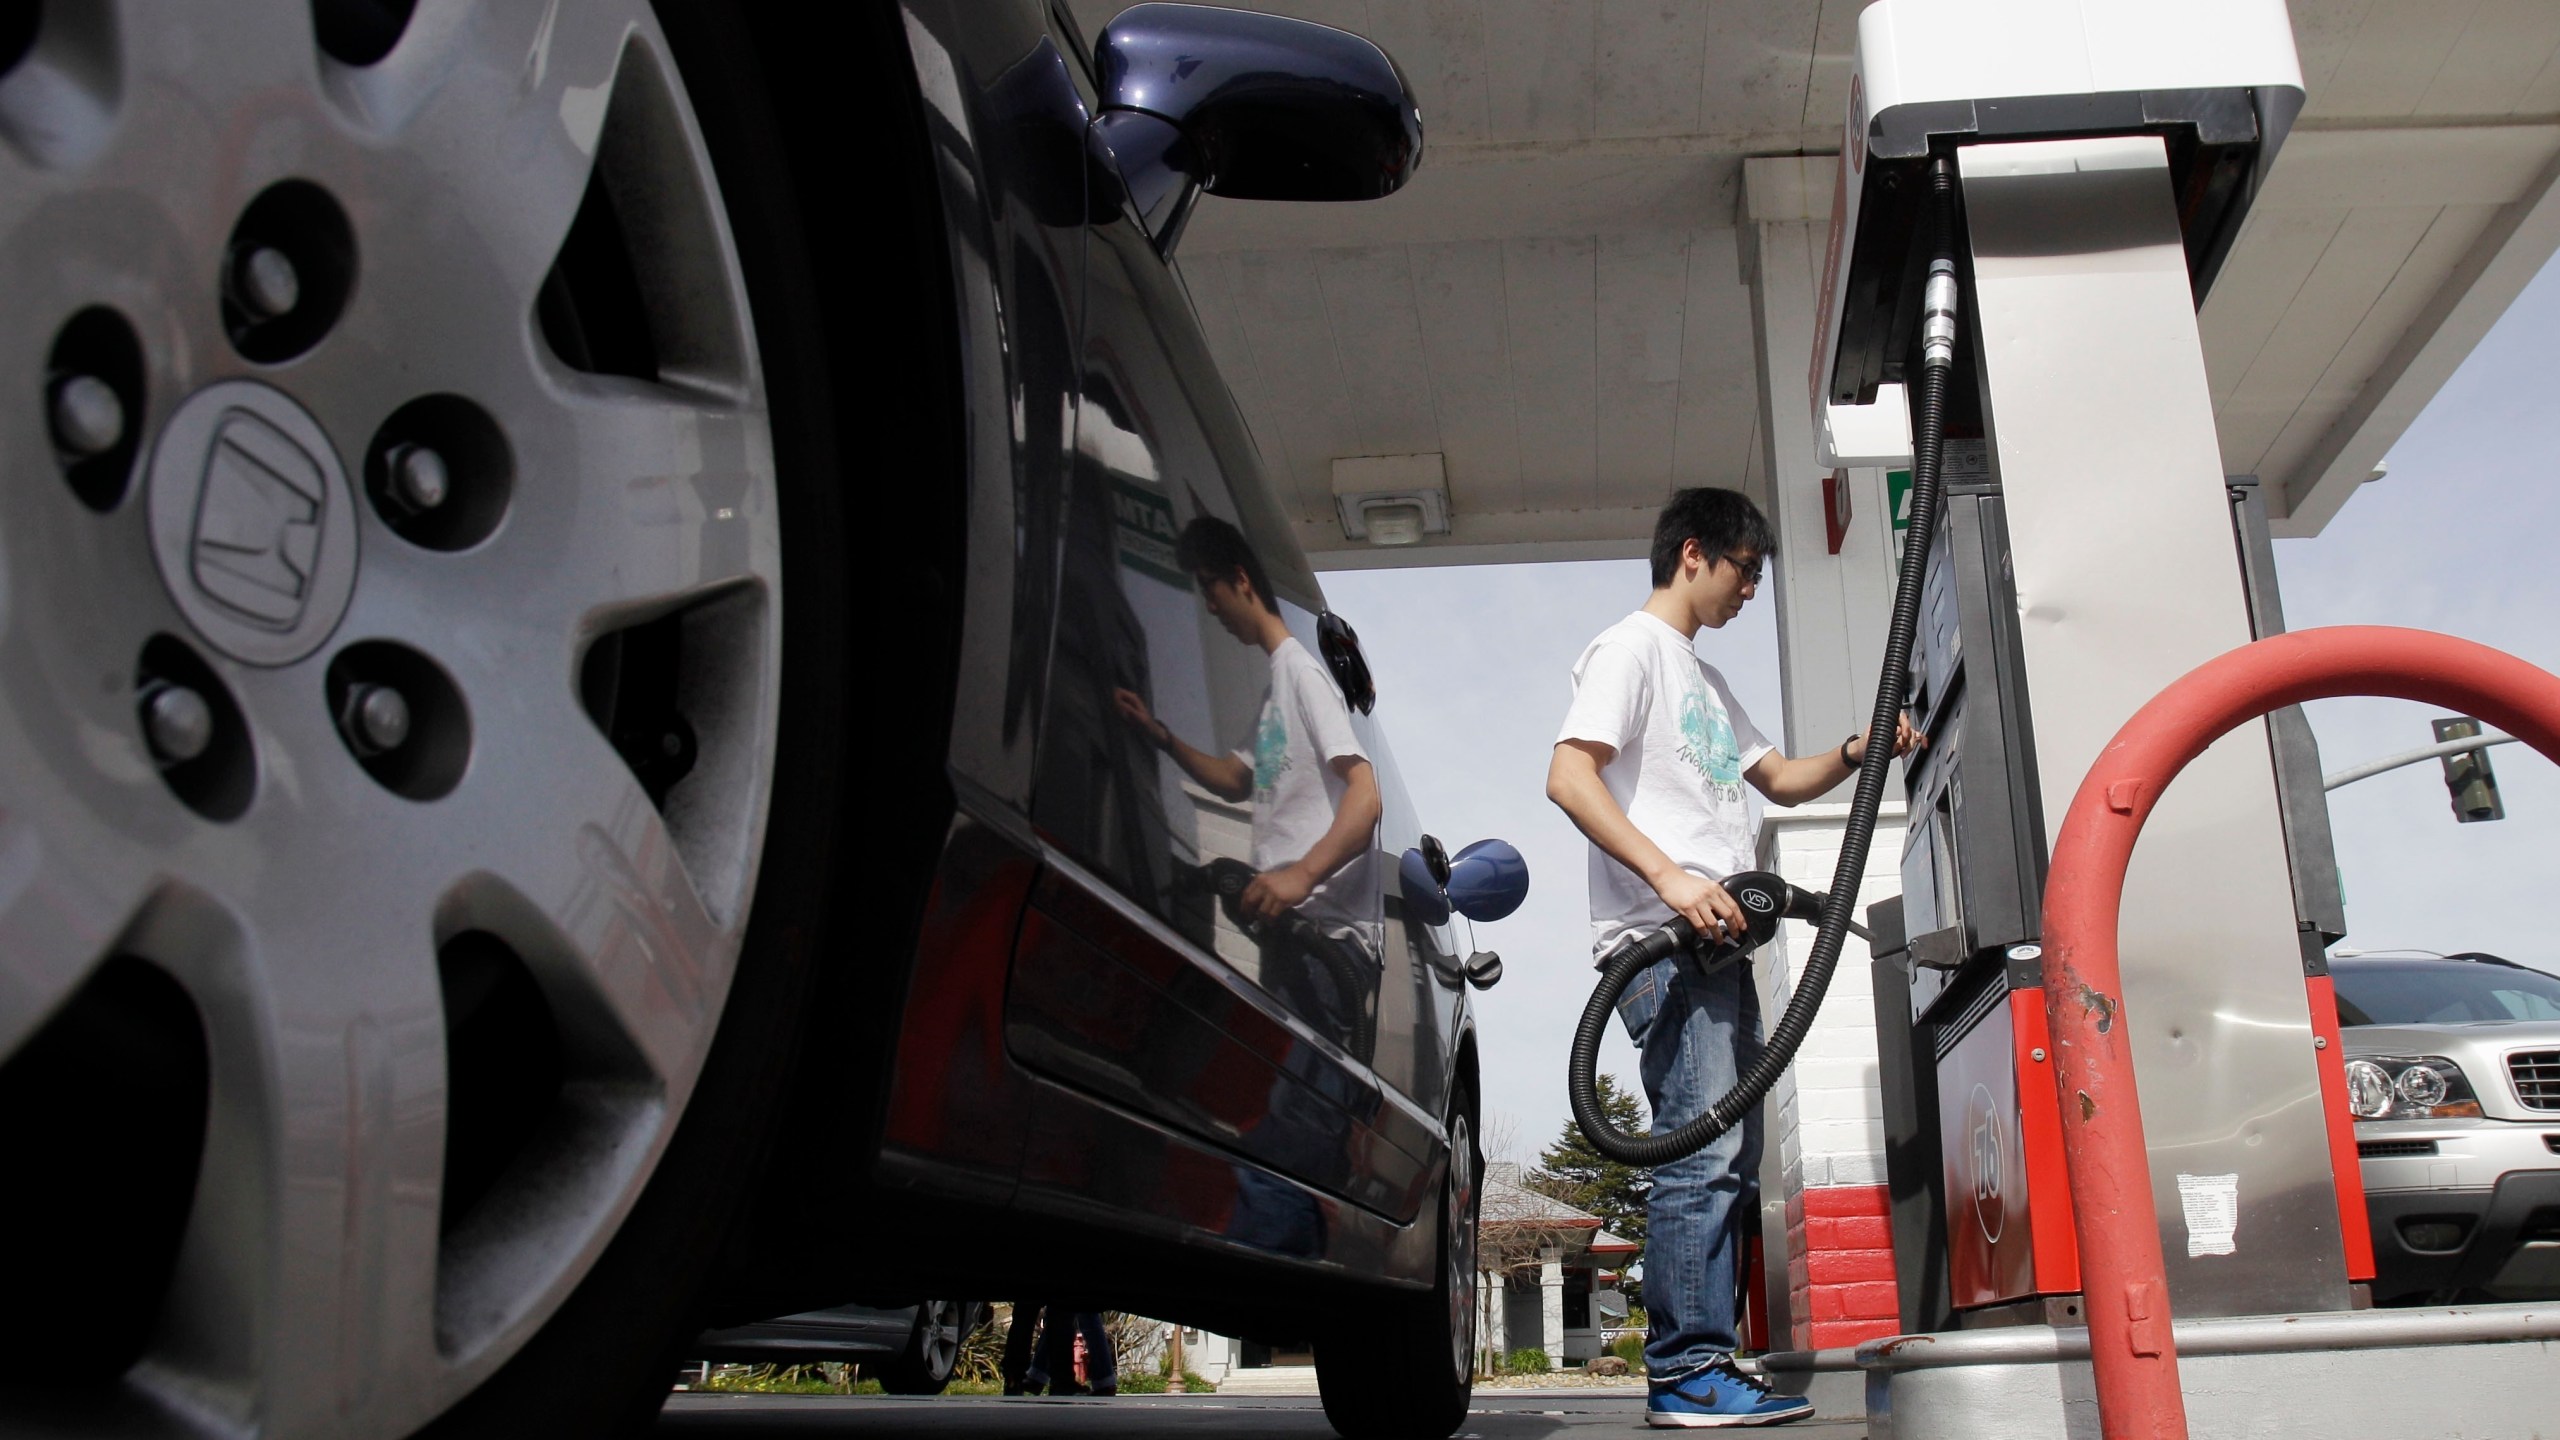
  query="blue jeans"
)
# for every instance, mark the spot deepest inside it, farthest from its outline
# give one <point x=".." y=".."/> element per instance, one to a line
<point x="1695" y="1034"/>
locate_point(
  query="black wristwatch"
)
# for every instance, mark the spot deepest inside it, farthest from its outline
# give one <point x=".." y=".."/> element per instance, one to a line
<point x="1845" y="762"/>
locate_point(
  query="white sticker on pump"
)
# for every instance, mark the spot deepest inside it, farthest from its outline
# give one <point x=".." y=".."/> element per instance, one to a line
<point x="2212" y="1203"/>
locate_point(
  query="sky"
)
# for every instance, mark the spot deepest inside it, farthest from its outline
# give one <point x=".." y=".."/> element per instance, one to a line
<point x="1474" y="672"/>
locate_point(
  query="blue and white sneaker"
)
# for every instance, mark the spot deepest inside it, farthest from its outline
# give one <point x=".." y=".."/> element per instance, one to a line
<point x="1723" y="1395"/>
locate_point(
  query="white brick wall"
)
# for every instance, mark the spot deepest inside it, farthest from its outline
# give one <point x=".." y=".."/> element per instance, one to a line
<point x="1849" y="1105"/>
<point x="1825" y="1115"/>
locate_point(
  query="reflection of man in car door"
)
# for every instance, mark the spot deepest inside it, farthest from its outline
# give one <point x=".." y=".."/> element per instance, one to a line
<point x="1314" y="794"/>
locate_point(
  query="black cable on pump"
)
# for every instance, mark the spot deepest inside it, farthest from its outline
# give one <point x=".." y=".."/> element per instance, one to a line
<point x="1633" y="954"/>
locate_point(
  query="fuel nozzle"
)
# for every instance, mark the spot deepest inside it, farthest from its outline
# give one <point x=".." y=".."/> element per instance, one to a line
<point x="1806" y="905"/>
<point x="1765" y="899"/>
<point x="1938" y="315"/>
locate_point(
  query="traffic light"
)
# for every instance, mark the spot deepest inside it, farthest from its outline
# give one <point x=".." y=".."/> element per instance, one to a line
<point x="2467" y="776"/>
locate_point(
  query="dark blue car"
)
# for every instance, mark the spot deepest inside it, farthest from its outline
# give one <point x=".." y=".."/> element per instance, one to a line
<point x="647" y="681"/>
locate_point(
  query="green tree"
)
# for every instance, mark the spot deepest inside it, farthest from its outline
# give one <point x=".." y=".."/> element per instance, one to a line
<point x="1571" y="1171"/>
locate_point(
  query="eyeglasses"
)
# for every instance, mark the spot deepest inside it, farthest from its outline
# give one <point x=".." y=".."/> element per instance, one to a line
<point x="1751" y="571"/>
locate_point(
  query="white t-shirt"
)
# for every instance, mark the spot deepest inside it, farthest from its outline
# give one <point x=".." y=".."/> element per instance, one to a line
<point x="1302" y="729"/>
<point x="1682" y="742"/>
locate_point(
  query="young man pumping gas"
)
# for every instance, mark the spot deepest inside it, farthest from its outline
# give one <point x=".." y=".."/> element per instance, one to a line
<point x="1650" y="765"/>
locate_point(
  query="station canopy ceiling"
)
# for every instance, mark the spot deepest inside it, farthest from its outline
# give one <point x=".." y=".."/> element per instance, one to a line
<point x="1556" y="305"/>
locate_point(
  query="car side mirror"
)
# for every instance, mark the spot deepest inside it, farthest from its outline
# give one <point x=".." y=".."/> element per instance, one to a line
<point x="1485" y="881"/>
<point x="1248" y="106"/>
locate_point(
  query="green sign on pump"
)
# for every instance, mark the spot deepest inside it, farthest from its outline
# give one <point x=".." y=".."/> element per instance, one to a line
<point x="1897" y="504"/>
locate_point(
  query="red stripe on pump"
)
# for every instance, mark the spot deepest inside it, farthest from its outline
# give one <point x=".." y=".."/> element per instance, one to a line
<point x="2355" y="1226"/>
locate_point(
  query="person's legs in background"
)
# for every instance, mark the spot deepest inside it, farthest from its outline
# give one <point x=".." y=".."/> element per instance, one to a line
<point x="1058" y="1351"/>
<point x="1101" y="1366"/>
<point x="1018" y="1367"/>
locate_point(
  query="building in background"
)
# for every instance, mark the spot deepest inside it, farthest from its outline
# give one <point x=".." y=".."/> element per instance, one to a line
<point x="1551" y="1272"/>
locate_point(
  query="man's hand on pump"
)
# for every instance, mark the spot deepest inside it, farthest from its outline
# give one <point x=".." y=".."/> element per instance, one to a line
<point x="1706" y="905"/>
<point x="1906" y="738"/>
<point x="1794" y="781"/>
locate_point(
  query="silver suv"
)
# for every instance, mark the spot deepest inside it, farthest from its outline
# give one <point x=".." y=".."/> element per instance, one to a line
<point x="2453" y="1074"/>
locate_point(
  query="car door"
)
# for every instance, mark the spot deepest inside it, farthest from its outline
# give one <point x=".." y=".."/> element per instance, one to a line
<point x="1007" y="124"/>
<point x="1422" y="984"/>
<point x="1136" y="980"/>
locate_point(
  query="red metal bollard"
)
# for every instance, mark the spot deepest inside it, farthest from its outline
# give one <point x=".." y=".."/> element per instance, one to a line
<point x="2122" y="1275"/>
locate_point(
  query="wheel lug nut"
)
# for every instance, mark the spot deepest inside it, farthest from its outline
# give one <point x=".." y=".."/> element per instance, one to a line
<point x="376" y="719"/>
<point x="88" y="418"/>
<point x="176" y="722"/>
<point x="418" y="478"/>
<point x="269" y="285"/>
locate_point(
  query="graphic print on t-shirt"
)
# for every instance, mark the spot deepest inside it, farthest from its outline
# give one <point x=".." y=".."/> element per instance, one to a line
<point x="1706" y="739"/>
<point x="1270" y="750"/>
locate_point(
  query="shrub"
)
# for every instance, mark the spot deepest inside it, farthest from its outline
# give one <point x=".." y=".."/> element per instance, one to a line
<point x="822" y="1379"/>
<point x="981" y="1354"/>
<point x="1630" y="1348"/>
<point x="1526" y="1360"/>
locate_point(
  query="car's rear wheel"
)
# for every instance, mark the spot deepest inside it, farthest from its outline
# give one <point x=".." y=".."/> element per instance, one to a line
<point x="933" y="1349"/>
<point x="391" y="634"/>
<point x="1409" y="1373"/>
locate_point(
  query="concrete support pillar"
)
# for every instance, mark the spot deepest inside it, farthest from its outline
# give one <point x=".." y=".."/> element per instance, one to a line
<point x="1832" y="602"/>
<point x="1833" y="577"/>
<point x="1209" y="1355"/>
<point x="1551" y="1306"/>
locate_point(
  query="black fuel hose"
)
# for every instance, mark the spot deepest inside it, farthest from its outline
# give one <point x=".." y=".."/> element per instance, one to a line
<point x="1632" y="954"/>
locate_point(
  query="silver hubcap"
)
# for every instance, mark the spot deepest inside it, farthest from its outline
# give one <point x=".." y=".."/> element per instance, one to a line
<point x="315" y="703"/>
<point x="1460" y="1218"/>
<point x="940" y="1324"/>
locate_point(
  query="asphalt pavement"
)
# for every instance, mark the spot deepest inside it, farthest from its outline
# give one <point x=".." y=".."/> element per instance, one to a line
<point x="1509" y="1415"/>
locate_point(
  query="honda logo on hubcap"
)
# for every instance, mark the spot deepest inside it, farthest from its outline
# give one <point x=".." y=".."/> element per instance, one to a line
<point x="252" y="522"/>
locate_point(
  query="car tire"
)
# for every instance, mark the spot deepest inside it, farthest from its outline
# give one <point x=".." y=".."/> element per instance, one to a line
<point x="471" y="1003"/>
<point x="1410" y="1374"/>
<point x="933" y="1349"/>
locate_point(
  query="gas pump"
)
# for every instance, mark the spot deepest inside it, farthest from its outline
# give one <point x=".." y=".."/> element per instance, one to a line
<point x="2032" y="201"/>
<point x="2087" y="554"/>
<point x="1973" y="1138"/>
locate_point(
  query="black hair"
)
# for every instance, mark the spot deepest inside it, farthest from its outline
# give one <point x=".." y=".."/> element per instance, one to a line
<point x="1721" y="521"/>
<point x="1212" y="547"/>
